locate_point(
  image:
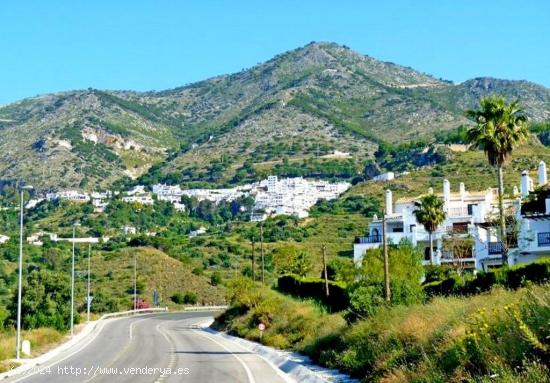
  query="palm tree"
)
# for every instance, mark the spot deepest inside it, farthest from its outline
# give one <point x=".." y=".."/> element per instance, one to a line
<point x="430" y="214"/>
<point x="500" y="128"/>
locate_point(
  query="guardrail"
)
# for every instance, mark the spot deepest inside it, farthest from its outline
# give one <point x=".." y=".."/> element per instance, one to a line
<point x="132" y="312"/>
<point x="205" y="308"/>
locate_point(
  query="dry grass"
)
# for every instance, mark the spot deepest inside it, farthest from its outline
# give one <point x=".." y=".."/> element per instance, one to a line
<point x="42" y="340"/>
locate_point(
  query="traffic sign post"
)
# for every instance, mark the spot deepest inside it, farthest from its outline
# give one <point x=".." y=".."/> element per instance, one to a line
<point x="261" y="327"/>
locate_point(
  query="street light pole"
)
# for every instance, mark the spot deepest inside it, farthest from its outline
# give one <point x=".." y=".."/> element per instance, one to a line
<point x="18" y="340"/>
<point x="72" y="282"/>
<point x="20" y="282"/>
<point x="88" y="296"/>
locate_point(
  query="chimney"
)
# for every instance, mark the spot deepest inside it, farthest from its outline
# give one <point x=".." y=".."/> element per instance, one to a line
<point x="462" y="190"/>
<point x="389" y="202"/>
<point x="524" y="187"/>
<point x="446" y="191"/>
<point x="542" y="173"/>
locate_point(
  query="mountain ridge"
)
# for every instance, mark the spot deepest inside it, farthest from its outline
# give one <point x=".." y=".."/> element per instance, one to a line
<point x="320" y="95"/>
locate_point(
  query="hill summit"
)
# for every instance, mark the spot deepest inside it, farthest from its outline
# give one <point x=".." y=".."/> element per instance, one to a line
<point x="300" y="105"/>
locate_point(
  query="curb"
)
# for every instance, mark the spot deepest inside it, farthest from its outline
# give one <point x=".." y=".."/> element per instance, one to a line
<point x="90" y="328"/>
<point x="298" y="367"/>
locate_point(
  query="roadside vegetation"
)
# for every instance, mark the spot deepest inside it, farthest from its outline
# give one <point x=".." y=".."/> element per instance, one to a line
<point x="499" y="334"/>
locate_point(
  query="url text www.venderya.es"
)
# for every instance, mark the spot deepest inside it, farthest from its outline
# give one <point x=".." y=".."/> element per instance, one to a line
<point x="98" y="370"/>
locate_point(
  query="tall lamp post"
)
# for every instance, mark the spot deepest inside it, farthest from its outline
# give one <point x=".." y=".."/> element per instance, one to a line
<point x="72" y="279"/>
<point x="88" y="298"/>
<point x="19" y="284"/>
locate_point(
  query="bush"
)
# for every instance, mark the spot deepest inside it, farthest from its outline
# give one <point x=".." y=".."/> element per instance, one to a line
<point x="315" y="288"/>
<point x="46" y="301"/>
<point x="178" y="298"/>
<point x="190" y="298"/>
<point x="510" y="277"/>
<point x="215" y="278"/>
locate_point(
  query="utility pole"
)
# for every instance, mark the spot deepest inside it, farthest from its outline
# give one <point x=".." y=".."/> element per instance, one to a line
<point x="135" y="282"/>
<point x="387" y="293"/>
<point x="253" y="260"/>
<point x="325" y="269"/>
<point x="262" y="251"/>
<point x="88" y="300"/>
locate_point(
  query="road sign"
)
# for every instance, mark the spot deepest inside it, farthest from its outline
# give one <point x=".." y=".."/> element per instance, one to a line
<point x="261" y="326"/>
<point x="89" y="299"/>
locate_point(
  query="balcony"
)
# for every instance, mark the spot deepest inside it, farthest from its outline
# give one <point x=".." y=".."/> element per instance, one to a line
<point x="543" y="239"/>
<point x="368" y="239"/>
<point x="459" y="212"/>
<point x="495" y="248"/>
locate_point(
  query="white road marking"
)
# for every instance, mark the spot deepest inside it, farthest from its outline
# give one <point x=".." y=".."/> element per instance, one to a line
<point x="172" y="360"/>
<point x="36" y="370"/>
<point x="248" y="372"/>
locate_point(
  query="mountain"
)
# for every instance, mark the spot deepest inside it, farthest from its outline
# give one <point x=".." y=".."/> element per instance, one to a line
<point x="296" y="107"/>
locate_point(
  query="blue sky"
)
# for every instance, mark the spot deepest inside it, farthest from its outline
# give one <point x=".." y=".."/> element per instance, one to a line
<point x="55" y="45"/>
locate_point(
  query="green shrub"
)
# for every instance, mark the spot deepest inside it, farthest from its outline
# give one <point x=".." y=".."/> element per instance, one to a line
<point x="46" y="301"/>
<point x="178" y="298"/>
<point x="215" y="278"/>
<point x="190" y="298"/>
<point x="315" y="288"/>
<point x="510" y="277"/>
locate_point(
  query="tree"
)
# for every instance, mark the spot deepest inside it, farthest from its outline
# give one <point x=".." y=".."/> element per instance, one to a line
<point x="500" y="128"/>
<point x="460" y="246"/>
<point x="289" y="260"/>
<point x="430" y="214"/>
<point x="45" y="303"/>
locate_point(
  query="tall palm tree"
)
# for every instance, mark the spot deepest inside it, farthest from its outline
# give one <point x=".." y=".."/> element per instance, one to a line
<point x="429" y="213"/>
<point x="500" y="128"/>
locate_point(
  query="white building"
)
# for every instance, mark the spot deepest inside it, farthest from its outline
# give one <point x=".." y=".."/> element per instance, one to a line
<point x="385" y="177"/>
<point x="464" y="209"/>
<point x="4" y="239"/>
<point x="129" y="230"/>
<point x="293" y="196"/>
<point x="33" y="202"/>
<point x="533" y="229"/>
<point x="201" y="230"/>
<point x="69" y="195"/>
<point x="474" y="215"/>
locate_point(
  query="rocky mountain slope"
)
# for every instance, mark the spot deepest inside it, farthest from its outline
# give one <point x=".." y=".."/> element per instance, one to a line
<point x="300" y="105"/>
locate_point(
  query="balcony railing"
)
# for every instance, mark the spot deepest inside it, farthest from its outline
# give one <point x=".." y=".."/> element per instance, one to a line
<point x="369" y="239"/>
<point x="495" y="248"/>
<point x="544" y="239"/>
<point x="459" y="212"/>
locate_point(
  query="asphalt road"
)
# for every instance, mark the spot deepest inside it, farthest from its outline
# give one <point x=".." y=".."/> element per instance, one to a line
<point x="155" y="348"/>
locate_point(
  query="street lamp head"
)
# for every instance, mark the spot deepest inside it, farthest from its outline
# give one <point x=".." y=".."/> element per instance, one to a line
<point x="76" y="223"/>
<point x="27" y="187"/>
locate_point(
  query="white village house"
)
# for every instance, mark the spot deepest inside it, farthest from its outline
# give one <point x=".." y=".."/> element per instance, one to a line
<point x="469" y="214"/>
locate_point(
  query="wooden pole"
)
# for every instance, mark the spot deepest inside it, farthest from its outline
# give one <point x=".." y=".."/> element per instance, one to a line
<point x="325" y="269"/>
<point x="253" y="261"/>
<point x="387" y="292"/>
<point x="262" y="251"/>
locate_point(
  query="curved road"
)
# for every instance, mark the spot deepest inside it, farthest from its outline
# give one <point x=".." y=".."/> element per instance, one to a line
<point x="155" y="348"/>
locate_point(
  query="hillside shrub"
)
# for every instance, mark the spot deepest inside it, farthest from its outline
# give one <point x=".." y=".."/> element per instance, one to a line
<point x="337" y="299"/>
<point x="509" y="277"/>
<point x="45" y="301"/>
